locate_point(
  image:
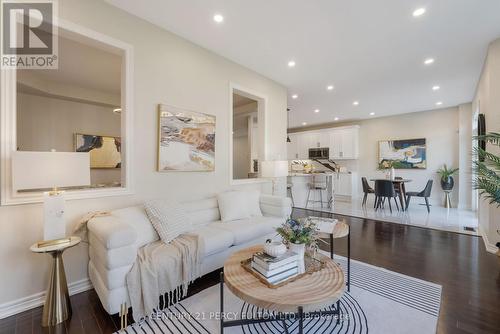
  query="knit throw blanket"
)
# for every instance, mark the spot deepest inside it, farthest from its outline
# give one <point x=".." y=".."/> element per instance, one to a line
<point x="81" y="230"/>
<point x="162" y="269"/>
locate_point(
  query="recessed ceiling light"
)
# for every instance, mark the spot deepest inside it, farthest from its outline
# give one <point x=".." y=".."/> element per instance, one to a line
<point x="336" y="119"/>
<point x="316" y="110"/>
<point x="355" y="103"/>
<point x="436" y="88"/>
<point x="218" y="18"/>
<point x="372" y="113"/>
<point x="291" y="63"/>
<point x="304" y="123"/>
<point x="330" y="87"/>
<point x="429" y="61"/>
<point x="439" y="103"/>
<point x="418" y="12"/>
<point x="294" y="96"/>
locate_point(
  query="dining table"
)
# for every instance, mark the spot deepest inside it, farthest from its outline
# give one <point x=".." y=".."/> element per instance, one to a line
<point x="399" y="184"/>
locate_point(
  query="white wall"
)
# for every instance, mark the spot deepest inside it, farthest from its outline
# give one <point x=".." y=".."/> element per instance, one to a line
<point x="438" y="127"/>
<point x="465" y="124"/>
<point x="167" y="69"/>
<point x="487" y="102"/>
<point x="45" y="123"/>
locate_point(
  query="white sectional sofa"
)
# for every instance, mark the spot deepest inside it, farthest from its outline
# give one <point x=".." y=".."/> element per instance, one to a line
<point x="115" y="239"/>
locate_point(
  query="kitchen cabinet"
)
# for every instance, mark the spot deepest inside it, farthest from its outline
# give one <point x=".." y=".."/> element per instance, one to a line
<point x="345" y="185"/>
<point x="342" y="143"/>
<point x="342" y="184"/>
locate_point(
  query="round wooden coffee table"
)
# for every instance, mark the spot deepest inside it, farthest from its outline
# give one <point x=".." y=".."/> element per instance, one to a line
<point x="304" y="297"/>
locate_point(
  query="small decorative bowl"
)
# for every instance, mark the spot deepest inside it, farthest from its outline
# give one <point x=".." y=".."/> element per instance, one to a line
<point x="274" y="248"/>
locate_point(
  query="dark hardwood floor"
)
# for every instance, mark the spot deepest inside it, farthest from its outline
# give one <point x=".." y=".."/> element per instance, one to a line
<point x="469" y="275"/>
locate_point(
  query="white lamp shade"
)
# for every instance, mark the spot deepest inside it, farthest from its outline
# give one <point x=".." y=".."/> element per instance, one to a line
<point x="41" y="170"/>
<point x="274" y="168"/>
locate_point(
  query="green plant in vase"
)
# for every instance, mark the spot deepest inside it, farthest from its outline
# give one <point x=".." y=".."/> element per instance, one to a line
<point x="487" y="170"/>
<point x="446" y="174"/>
<point x="299" y="234"/>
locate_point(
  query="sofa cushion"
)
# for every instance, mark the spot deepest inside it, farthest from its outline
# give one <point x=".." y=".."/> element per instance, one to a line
<point x="253" y="197"/>
<point x="233" y="205"/>
<point x="168" y="218"/>
<point x="136" y="217"/>
<point x="213" y="240"/>
<point x="111" y="258"/>
<point x="201" y="212"/>
<point x="270" y="222"/>
<point x="113" y="232"/>
<point x="248" y="229"/>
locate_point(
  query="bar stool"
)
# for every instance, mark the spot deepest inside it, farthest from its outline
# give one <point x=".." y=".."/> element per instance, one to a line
<point x="289" y="192"/>
<point x="317" y="184"/>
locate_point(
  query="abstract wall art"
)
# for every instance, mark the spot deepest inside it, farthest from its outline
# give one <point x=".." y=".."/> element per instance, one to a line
<point x="186" y="140"/>
<point x="105" y="151"/>
<point x="403" y="154"/>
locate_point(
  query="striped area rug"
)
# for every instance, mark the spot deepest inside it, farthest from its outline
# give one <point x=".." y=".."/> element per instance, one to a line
<point x="380" y="301"/>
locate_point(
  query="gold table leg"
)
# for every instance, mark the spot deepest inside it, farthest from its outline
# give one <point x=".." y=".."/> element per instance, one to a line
<point x="57" y="306"/>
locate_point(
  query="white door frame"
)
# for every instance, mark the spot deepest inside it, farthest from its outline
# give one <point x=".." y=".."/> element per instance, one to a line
<point x="261" y="115"/>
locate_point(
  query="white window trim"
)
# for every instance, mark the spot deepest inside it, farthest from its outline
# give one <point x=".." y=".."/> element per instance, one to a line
<point x="261" y="115"/>
<point x="8" y="129"/>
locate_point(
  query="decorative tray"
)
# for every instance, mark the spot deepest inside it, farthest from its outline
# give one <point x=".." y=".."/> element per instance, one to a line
<point x="311" y="265"/>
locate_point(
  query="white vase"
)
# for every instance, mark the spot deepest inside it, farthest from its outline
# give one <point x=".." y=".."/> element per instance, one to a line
<point x="274" y="248"/>
<point x="298" y="248"/>
<point x="393" y="173"/>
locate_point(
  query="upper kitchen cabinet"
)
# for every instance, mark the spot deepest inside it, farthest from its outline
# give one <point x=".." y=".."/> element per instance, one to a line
<point x="344" y="143"/>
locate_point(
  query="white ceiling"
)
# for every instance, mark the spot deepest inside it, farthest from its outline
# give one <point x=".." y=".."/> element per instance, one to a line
<point x="371" y="51"/>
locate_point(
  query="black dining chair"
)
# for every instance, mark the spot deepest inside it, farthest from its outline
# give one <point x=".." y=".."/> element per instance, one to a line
<point x="426" y="193"/>
<point x="366" y="189"/>
<point x="385" y="189"/>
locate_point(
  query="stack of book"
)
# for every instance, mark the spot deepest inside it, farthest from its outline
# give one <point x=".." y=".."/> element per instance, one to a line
<point x="276" y="270"/>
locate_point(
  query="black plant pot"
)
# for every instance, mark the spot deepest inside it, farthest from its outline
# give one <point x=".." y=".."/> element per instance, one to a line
<point x="447" y="183"/>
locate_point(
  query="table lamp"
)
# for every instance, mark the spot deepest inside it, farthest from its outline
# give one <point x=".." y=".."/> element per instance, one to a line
<point x="51" y="170"/>
<point x="274" y="169"/>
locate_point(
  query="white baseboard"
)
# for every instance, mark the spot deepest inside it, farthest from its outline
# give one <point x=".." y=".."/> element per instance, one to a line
<point x="491" y="248"/>
<point x="37" y="299"/>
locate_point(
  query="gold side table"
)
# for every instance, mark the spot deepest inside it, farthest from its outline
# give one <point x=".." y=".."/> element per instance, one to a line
<point x="57" y="306"/>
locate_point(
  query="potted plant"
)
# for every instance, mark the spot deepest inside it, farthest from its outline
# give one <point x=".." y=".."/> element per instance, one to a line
<point x="487" y="172"/>
<point x="446" y="174"/>
<point x="299" y="233"/>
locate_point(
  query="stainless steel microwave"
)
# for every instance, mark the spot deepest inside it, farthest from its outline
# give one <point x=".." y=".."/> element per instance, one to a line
<point x="319" y="153"/>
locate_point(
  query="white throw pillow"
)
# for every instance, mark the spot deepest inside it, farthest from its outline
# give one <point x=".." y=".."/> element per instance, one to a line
<point x="253" y="201"/>
<point x="168" y="218"/>
<point x="233" y="205"/>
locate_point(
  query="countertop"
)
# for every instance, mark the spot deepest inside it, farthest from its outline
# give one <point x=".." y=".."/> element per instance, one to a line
<point x="301" y="174"/>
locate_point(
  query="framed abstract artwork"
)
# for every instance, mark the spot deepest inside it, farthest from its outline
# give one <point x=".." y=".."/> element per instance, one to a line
<point x="105" y="151"/>
<point x="186" y="140"/>
<point x="403" y="154"/>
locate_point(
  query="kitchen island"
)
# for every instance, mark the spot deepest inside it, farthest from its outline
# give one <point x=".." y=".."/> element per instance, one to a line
<point x="338" y="186"/>
<point x="300" y="188"/>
